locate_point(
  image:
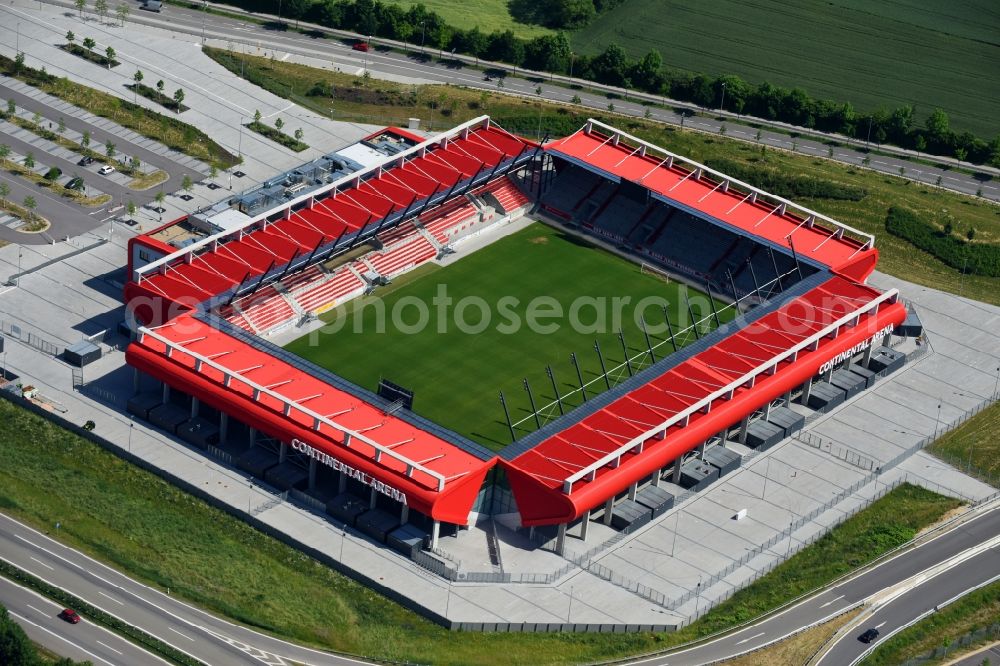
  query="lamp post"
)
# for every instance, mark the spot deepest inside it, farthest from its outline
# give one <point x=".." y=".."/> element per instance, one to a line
<point x="722" y="103"/>
<point x="423" y="34"/>
<point x="937" y="421"/>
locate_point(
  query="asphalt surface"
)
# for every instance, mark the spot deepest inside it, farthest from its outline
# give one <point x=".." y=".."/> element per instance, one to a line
<point x="991" y="653"/>
<point x="838" y="599"/>
<point x="413" y="67"/>
<point x="50" y="206"/>
<point x="85" y="641"/>
<point x="192" y="630"/>
<point x="908" y="607"/>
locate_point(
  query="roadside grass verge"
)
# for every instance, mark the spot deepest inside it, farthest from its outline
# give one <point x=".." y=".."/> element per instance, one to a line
<point x="169" y="131"/>
<point x="974" y="446"/>
<point x="976" y="610"/>
<point x="346" y="97"/>
<point x="142" y="525"/>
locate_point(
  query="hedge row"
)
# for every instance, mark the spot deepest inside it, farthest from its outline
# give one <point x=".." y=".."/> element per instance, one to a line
<point x="98" y="616"/>
<point x="973" y="258"/>
<point x="786" y="185"/>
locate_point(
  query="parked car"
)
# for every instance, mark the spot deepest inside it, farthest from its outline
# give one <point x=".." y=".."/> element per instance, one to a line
<point x="69" y="615"/>
<point x="152" y="6"/>
<point x="106" y="169"/>
<point x="361" y="46"/>
<point x="869" y="635"/>
<point x="85" y="161"/>
<point x="75" y="184"/>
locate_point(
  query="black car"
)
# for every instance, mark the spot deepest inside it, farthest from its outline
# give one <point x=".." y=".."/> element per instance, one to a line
<point x="868" y="636"/>
<point x="75" y="184"/>
<point x="85" y="160"/>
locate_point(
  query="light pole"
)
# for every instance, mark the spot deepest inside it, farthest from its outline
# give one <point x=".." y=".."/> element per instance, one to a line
<point x="131" y="425"/>
<point x="423" y="34"/>
<point x="697" y="603"/>
<point x="570" y="609"/>
<point x="17" y="283"/>
<point x="673" y="541"/>
<point x="937" y="421"/>
<point x="767" y="470"/>
<point x="722" y="103"/>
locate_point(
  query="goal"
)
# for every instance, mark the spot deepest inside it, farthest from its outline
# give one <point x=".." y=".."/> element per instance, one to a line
<point x="649" y="269"/>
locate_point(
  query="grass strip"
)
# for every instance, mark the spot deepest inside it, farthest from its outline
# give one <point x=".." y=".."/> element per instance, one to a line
<point x="277" y="136"/>
<point x="94" y="614"/>
<point x="977" y="610"/>
<point x="53" y="187"/>
<point x="171" y="132"/>
<point x="974" y="446"/>
<point x="346" y="97"/>
<point x="142" y="525"/>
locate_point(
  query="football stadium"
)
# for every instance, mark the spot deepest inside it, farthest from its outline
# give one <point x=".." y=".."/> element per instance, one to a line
<point x="476" y="325"/>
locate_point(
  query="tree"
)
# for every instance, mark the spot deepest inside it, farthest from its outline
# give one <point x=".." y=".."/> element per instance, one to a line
<point x="178" y="99"/>
<point x="11" y="107"/>
<point x="4" y="192"/>
<point x="257" y="116"/>
<point x="971" y="234"/>
<point x="160" y="198"/>
<point x="29" y="161"/>
<point x="109" y="149"/>
<point x="70" y="37"/>
<point x="89" y="43"/>
<point x="299" y="134"/>
<point x="160" y="85"/>
<point x="15" y="648"/>
<point x="937" y="125"/>
<point x="101" y="7"/>
<point x="4" y="151"/>
<point x="122" y="12"/>
<point x="110" y="53"/>
<point x="296" y="9"/>
<point x="757" y="136"/>
<point x="136" y="163"/>
<point x="961" y="154"/>
<point x="19" y="62"/>
<point x="213" y="172"/>
<point x="948" y="228"/>
<point x="920" y="143"/>
<point x="278" y="124"/>
<point x="186" y="183"/>
<point x="80" y="5"/>
<point x="62" y="125"/>
<point x="504" y="46"/>
<point x="137" y="77"/>
<point x="130" y="208"/>
<point x="611" y="65"/>
<point x="548" y="53"/>
<point x="30" y="204"/>
<point x="36" y="118"/>
<point x="85" y="139"/>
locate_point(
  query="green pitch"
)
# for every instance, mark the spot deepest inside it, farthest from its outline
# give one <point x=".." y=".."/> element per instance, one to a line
<point x="502" y="326"/>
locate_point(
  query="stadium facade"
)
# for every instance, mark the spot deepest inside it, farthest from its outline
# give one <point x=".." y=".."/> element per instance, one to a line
<point x="207" y="290"/>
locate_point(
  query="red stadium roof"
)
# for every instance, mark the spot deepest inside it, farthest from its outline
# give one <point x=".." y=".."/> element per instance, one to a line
<point x="219" y="263"/>
<point x="729" y="201"/>
<point x="642" y="431"/>
<point x="436" y="477"/>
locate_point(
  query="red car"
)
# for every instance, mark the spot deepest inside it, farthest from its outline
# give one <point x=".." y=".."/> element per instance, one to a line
<point x="69" y="615"/>
<point x="361" y="46"/>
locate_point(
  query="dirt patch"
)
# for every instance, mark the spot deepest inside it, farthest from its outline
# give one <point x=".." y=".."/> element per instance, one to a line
<point x="539" y="240"/>
<point x="958" y="510"/>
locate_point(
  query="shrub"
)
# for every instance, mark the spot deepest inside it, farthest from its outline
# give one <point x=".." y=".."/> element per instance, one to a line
<point x="975" y="258"/>
<point x="53" y="173"/>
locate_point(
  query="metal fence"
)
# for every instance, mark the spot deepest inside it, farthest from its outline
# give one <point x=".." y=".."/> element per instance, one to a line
<point x="849" y="456"/>
<point x="18" y="332"/>
<point x="938" y="654"/>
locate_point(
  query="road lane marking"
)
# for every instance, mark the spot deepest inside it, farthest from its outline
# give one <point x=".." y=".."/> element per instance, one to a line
<point x="109" y="647"/>
<point x="36" y="609"/>
<point x="747" y="640"/>
<point x="120" y="603"/>
<point x="832" y="601"/>
<point x="180" y="634"/>
<point x="879" y="626"/>
<point x="62" y="638"/>
<point x="42" y="563"/>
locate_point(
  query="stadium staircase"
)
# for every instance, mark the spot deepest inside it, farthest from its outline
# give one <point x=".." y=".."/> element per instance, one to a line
<point x="506" y="193"/>
<point x="407" y="255"/>
<point x="327" y="290"/>
<point x="442" y="222"/>
<point x="266" y="310"/>
<point x="236" y="318"/>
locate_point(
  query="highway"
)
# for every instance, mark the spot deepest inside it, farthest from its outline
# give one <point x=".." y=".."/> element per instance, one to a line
<point x="839" y="598"/>
<point x="411" y="67"/>
<point x="198" y="633"/>
<point x="217" y="641"/>
<point x="38" y="616"/>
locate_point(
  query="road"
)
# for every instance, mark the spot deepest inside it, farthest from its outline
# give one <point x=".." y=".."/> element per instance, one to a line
<point x="910" y="606"/>
<point x="412" y="67"/>
<point x="185" y="627"/>
<point x="85" y="641"/>
<point x="64" y="216"/>
<point x="838" y="599"/>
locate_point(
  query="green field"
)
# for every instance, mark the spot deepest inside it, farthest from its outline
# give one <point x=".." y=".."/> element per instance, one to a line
<point x="456" y="374"/>
<point x="487" y="15"/>
<point x="974" y="445"/>
<point x="139" y="524"/>
<point x="920" y="52"/>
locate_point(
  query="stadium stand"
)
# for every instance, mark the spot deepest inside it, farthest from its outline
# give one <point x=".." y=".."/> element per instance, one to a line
<point x="266" y="310"/>
<point x="406" y="255"/>
<point x="329" y="290"/>
<point x="506" y="193"/>
<point x="440" y="221"/>
<point x="398" y="234"/>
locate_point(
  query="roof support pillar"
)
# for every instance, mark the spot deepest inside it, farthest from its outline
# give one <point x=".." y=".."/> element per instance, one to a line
<point x="194" y="406"/>
<point x="788" y="399"/>
<point x="253" y="437"/>
<point x="584" y="525"/>
<point x="701" y="450"/>
<point x="561" y="539"/>
<point x="342" y="483"/>
<point x="372" y="497"/>
<point x="404" y="514"/>
<point x="608" y="506"/>
<point x="312" y="474"/>
<point x="656" y="478"/>
<point x="867" y="356"/>
<point x="676" y="476"/>
<point x="632" y="490"/>
<point x="435" y="533"/>
<point x="767" y="410"/>
<point x="223" y="427"/>
<point x="806" y="391"/>
<point x="283" y="453"/>
<point x="744" y="424"/>
<point x="135" y="380"/>
<point x="166" y="392"/>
